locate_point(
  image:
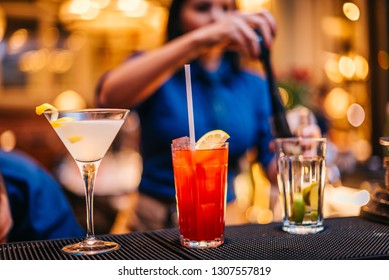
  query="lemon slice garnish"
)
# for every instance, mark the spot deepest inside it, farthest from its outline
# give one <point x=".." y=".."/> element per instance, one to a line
<point x="212" y="139"/>
<point x="46" y="106"/>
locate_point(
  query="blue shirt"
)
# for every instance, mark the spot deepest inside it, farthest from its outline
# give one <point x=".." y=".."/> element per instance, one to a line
<point x="237" y="102"/>
<point x="39" y="208"/>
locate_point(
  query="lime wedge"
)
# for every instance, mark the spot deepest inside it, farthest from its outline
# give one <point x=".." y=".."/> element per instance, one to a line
<point x="310" y="195"/>
<point x="306" y="193"/>
<point x="298" y="208"/>
<point x="313" y="216"/>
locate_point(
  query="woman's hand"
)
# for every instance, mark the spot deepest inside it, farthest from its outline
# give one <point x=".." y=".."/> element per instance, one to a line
<point x="236" y="31"/>
<point x="310" y="131"/>
<point x="138" y="78"/>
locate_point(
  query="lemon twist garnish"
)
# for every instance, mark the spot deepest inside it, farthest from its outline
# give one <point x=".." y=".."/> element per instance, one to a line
<point x="54" y="121"/>
<point x="212" y="139"/>
<point x="60" y="121"/>
<point x="45" y="107"/>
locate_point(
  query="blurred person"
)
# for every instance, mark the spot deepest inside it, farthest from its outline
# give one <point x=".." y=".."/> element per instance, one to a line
<point x="5" y="213"/>
<point x="32" y="204"/>
<point x="214" y="37"/>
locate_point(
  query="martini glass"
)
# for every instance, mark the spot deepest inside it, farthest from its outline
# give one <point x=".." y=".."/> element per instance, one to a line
<point x="87" y="135"/>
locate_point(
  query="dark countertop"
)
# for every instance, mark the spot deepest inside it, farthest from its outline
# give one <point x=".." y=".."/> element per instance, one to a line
<point x="342" y="238"/>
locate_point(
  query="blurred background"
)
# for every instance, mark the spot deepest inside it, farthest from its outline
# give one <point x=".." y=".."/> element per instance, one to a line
<point x="329" y="56"/>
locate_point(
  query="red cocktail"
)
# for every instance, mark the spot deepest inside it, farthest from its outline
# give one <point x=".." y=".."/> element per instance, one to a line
<point x="200" y="177"/>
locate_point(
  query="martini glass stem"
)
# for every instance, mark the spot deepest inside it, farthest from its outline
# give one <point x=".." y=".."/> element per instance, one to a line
<point x="88" y="172"/>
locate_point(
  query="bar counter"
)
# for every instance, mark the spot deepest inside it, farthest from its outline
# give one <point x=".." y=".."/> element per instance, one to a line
<point x="343" y="238"/>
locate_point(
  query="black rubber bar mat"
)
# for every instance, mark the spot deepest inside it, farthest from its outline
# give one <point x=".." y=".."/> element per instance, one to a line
<point x="342" y="238"/>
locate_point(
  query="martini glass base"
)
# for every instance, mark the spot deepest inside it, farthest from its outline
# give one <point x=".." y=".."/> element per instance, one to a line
<point x="90" y="247"/>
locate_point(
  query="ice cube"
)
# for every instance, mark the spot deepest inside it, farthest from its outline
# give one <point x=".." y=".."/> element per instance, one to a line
<point x="182" y="142"/>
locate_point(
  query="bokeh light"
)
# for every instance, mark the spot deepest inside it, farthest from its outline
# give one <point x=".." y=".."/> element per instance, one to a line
<point x="362" y="197"/>
<point x="347" y="67"/>
<point x="7" y="140"/>
<point x="285" y="97"/>
<point x="256" y="214"/>
<point x="361" y="67"/>
<point x="79" y="7"/>
<point x="251" y="5"/>
<point x="336" y="103"/>
<point x="128" y="5"/>
<point x="76" y="41"/>
<point x="69" y="100"/>
<point x="92" y="12"/>
<point x="356" y="114"/>
<point x="351" y="11"/>
<point x="60" y="61"/>
<point x="331" y="69"/>
<point x="140" y="10"/>
<point x="3" y="23"/>
<point x="17" y="40"/>
<point x="361" y="149"/>
<point x="102" y="3"/>
<point x="383" y="59"/>
<point x="33" y="61"/>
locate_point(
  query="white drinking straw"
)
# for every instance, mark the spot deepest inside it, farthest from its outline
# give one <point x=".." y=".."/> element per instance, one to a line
<point x="190" y="106"/>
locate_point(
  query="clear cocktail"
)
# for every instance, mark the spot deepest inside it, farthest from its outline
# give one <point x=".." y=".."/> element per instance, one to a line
<point x="301" y="177"/>
<point x="87" y="140"/>
<point x="87" y="134"/>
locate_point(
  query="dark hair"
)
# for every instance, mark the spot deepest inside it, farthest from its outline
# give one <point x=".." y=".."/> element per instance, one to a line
<point x="174" y="30"/>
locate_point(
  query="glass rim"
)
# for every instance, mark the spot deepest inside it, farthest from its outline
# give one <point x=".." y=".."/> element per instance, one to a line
<point x="297" y="139"/>
<point x="87" y="110"/>
<point x="187" y="145"/>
